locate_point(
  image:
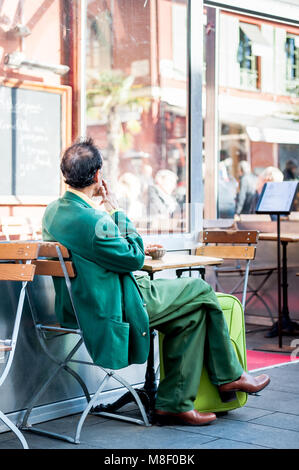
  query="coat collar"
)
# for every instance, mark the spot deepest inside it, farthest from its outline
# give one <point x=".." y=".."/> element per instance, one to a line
<point x="70" y="196"/>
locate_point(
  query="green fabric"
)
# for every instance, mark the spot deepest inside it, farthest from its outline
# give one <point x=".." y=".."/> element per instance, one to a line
<point x="187" y="312"/>
<point x="110" y="304"/>
<point x="105" y="250"/>
<point x="208" y="398"/>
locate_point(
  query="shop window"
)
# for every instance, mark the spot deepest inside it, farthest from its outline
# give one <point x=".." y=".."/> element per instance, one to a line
<point x="136" y="88"/>
<point x="292" y="64"/>
<point x="258" y="134"/>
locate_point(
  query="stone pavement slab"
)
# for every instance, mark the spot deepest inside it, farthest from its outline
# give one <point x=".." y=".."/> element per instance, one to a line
<point x="246" y="432"/>
<point x="279" y="420"/>
<point x="246" y="413"/>
<point x="269" y="421"/>
<point x="229" y="444"/>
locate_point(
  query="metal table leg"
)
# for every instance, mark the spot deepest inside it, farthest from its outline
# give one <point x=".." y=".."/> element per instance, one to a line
<point x="289" y="327"/>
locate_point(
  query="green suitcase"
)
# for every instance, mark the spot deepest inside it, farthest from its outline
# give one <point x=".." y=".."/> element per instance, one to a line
<point x="208" y="398"/>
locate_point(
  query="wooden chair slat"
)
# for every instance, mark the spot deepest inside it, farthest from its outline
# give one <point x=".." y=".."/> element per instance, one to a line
<point x="3" y="348"/>
<point x="48" y="250"/>
<point x="18" y="251"/>
<point x="229" y="236"/>
<point x="227" y="252"/>
<point x="16" y="272"/>
<point x="53" y="268"/>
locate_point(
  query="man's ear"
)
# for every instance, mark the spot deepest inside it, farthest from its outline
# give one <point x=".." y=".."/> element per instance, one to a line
<point x="96" y="177"/>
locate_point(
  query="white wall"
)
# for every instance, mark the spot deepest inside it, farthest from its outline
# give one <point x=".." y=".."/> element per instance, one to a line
<point x="267" y="61"/>
<point x="229" y="69"/>
<point x="280" y="61"/>
<point x="284" y="9"/>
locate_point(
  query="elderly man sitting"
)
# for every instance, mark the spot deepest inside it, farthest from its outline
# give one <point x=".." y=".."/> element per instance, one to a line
<point x="115" y="308"/>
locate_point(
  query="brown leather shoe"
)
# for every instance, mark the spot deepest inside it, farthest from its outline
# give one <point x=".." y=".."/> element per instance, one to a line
<point x="187" y="418"/>
<point x="246" y="383"/>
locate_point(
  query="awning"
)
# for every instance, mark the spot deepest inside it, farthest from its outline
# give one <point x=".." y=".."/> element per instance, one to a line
<point x="270" y="129"/>
<point x="273" y="135"/>
<point x="260" y="45"/>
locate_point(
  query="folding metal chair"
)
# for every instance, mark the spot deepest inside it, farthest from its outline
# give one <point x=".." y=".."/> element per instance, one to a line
<point x="238" y="245"/>
<point x="249" y="237"/>
<point x="63" y="267"/>
<point x="12" y="268"/>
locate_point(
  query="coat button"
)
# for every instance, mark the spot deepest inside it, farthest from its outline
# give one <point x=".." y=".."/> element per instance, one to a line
<point x="144" y="333"/>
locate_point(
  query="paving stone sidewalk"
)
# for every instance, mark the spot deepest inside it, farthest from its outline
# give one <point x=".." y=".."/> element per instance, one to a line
<point x="269" y="421"/>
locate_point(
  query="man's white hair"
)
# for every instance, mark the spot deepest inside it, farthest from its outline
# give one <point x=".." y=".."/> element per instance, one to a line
<point x="272" y="174"/>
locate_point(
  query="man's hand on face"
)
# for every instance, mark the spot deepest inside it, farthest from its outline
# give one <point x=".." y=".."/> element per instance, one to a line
<point x="108" y="198"/>
<point x="151" y="248"/>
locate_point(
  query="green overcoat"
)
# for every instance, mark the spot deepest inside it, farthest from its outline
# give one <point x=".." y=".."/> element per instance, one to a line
<point x="105" y="250"/>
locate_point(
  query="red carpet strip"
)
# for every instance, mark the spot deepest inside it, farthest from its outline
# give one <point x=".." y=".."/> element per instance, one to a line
<point x="260" y="359"/>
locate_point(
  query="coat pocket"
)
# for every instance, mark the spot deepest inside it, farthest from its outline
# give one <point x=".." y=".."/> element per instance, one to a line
<point x="109" y="344"/>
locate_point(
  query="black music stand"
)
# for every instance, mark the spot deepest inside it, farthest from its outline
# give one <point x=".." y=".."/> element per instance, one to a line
<point x="277" y="199"/>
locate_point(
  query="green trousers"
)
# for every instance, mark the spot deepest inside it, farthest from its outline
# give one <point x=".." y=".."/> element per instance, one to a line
<point x="188" y="313"/>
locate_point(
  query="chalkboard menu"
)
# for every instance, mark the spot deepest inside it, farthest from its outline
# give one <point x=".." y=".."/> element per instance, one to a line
<point x="31" y="141"/>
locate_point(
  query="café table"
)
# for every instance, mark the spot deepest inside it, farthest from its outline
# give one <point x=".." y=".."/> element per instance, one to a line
<point x="289" y="326"/>
<point x="178" y="261"/>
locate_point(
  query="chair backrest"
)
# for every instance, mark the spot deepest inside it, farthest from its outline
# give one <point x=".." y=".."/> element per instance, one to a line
<point x="52" y="267"/>
<point x="12" y="258"/>
<point x="230" y="245"/>
<point x="226" y="244"/>
<point x="21" y="261"/>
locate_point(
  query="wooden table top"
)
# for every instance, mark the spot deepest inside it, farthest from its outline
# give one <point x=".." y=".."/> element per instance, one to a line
<point x="284" y="237"/>
<point x="173" y="261"/>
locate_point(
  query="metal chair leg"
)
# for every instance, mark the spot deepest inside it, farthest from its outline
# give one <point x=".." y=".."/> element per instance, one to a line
<point x="8" y="365"/>
<point x="14" y="429"/>
<point x="24" y="424"/>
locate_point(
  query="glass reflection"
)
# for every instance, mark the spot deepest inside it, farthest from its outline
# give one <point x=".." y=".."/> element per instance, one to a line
<point x="258" y="104"/>
<point x="136" y="105"/>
